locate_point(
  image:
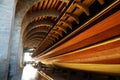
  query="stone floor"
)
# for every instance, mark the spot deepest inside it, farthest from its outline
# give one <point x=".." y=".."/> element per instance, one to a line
<point x="30" y="73"/>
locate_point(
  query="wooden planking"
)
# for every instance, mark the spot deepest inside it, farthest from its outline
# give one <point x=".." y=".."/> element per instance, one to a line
<point x="94" y="39"/>
<point x="103" y="68"/>
<point x="108" y="23"/>
<point x="99" y="53"/>
<point x="82" y="26"/>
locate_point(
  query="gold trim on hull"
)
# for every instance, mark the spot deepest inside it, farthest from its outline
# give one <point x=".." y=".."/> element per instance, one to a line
<point x="106" y="68"/>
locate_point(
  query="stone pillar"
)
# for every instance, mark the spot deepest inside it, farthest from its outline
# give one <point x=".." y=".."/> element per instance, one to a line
<point x="7" y="11"/>
<point x="9" y="42"/>
<point x="16" y="51"/>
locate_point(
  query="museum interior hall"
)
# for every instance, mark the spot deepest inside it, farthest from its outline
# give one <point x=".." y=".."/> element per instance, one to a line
<point x="59" y="40"/>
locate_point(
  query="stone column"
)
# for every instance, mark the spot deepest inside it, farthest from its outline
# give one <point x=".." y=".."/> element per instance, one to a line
<point x="7" y="10"/>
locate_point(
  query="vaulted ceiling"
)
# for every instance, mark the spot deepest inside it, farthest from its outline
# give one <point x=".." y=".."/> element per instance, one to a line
<point x="38" y="22"/>
<point x="48" y="21"/>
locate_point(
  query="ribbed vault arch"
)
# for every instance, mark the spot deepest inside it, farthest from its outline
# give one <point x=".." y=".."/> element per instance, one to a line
<point x="40" y="18"/>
